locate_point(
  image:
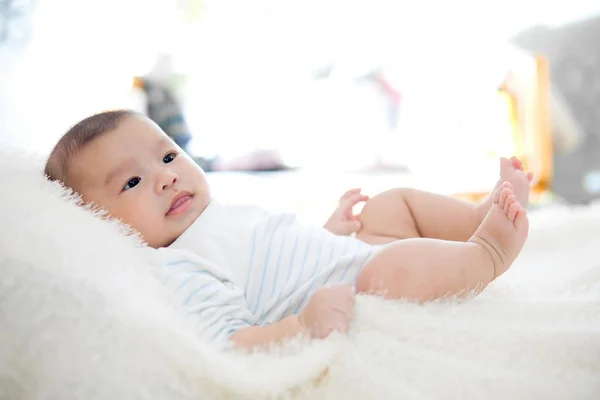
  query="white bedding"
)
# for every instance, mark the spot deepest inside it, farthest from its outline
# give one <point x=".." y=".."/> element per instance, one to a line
<point x="81" y="317"/>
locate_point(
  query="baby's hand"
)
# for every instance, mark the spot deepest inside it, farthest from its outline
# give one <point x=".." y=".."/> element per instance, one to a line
<point x="329" y="309"/>
<point x="343" y="221"/>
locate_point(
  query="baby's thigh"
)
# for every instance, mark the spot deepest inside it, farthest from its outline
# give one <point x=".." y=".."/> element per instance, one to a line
<point x="385" y="273"/>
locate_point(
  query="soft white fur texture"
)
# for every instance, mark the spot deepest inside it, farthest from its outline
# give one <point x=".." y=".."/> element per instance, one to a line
<point x="82" y="316"/>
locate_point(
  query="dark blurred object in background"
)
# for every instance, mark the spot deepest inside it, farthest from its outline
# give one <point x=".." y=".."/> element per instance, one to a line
<point x="163" y="107"/>
<point x="573" y="52"/>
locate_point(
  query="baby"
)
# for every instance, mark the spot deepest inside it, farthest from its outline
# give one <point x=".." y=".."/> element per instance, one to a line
<point x="250" y="278"/>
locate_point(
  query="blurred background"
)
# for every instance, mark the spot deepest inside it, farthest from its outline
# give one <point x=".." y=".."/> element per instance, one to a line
<point x="289" y="103"/>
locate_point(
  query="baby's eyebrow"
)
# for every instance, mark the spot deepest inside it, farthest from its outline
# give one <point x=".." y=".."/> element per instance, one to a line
<point x="118" y="170"/>
<point x="164" y="142"/>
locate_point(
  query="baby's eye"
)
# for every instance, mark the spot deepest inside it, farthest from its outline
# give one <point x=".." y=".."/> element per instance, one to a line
<point x="133" y="182"/>
<point x="169" y="158"/>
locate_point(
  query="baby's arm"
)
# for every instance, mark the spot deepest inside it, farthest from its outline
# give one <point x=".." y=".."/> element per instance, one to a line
<point x="330" y="309"/>
<point x="261" y="336"/>
<point x="219" y="312"/>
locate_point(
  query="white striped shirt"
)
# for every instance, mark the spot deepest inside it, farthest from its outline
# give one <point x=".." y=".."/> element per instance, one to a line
<point x="239" y="266"/>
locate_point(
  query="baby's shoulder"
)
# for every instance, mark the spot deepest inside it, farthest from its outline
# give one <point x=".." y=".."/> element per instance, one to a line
<point x="248" y="212"/>
<point x="167" y="255"/>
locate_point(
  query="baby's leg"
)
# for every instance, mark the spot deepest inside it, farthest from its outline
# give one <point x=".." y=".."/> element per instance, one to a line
<point x="409" y="213"/>
<point x="425" y="269"/>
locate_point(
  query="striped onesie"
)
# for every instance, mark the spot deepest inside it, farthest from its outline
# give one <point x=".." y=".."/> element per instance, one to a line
<point x="239" y="266"/>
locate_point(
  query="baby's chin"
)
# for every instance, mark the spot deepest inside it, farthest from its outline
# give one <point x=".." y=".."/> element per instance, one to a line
<point x="165" y="236"/>
<point x="157" y="241"/>
<point x="178" y="228"/>
<point x="164" y="240"/>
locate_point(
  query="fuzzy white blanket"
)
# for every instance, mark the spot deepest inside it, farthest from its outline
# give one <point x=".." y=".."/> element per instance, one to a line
<point x="82" y="317"/>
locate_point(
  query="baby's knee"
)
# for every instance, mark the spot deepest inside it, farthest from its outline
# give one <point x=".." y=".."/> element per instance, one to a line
<point x="387" y="214"/>
<point x="387" y="200"/>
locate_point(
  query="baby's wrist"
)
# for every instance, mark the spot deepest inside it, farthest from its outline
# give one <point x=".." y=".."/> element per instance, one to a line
<point x="303" y="328"/>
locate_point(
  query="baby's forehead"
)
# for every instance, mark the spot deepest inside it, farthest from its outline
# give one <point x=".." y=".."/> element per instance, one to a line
<point x="132" y="137"/>
<point x="122" y="148"/>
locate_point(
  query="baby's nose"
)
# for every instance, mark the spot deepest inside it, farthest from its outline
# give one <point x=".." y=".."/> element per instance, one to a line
<point x="166" y="180"/>
<point x="171" y="183"/>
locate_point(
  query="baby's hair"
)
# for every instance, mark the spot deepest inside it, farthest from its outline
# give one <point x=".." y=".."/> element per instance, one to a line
<point x="78" y="137"/>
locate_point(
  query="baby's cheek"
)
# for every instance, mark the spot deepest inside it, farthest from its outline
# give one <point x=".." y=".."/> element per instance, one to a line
<point x="152" y="232"/>
<point x="138" y="215"/>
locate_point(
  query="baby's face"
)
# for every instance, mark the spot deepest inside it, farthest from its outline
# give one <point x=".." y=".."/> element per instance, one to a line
<point x="139" y="175"/>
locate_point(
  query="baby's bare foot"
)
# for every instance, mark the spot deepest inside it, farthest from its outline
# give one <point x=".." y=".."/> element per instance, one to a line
<point x="504" y="230"/>
<point x="511" y="171"/>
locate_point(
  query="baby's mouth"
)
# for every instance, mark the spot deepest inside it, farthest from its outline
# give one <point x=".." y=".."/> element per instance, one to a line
<point x="180" y="203"/>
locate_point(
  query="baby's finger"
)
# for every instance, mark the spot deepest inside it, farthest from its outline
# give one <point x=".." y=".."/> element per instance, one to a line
<point x="345" y="306"/>
<point x="346" y="207"/>
<point x="344" y="309"/>
<point x="343" y="324"/>
<point x="350" y="193"/>
<point x="354" y="199"/>
<point x="323" y="331"/>
<point x="336" y="315"/>
<point x="339" y="323"/>
<point x="352" y="297"/>
<point x="361" y="198"/>
<point x="356" y="195"/>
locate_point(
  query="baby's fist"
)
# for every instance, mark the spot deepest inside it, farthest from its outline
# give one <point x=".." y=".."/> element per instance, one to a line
<point x="343" y="221"/>
<point x="329" y="309"/>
